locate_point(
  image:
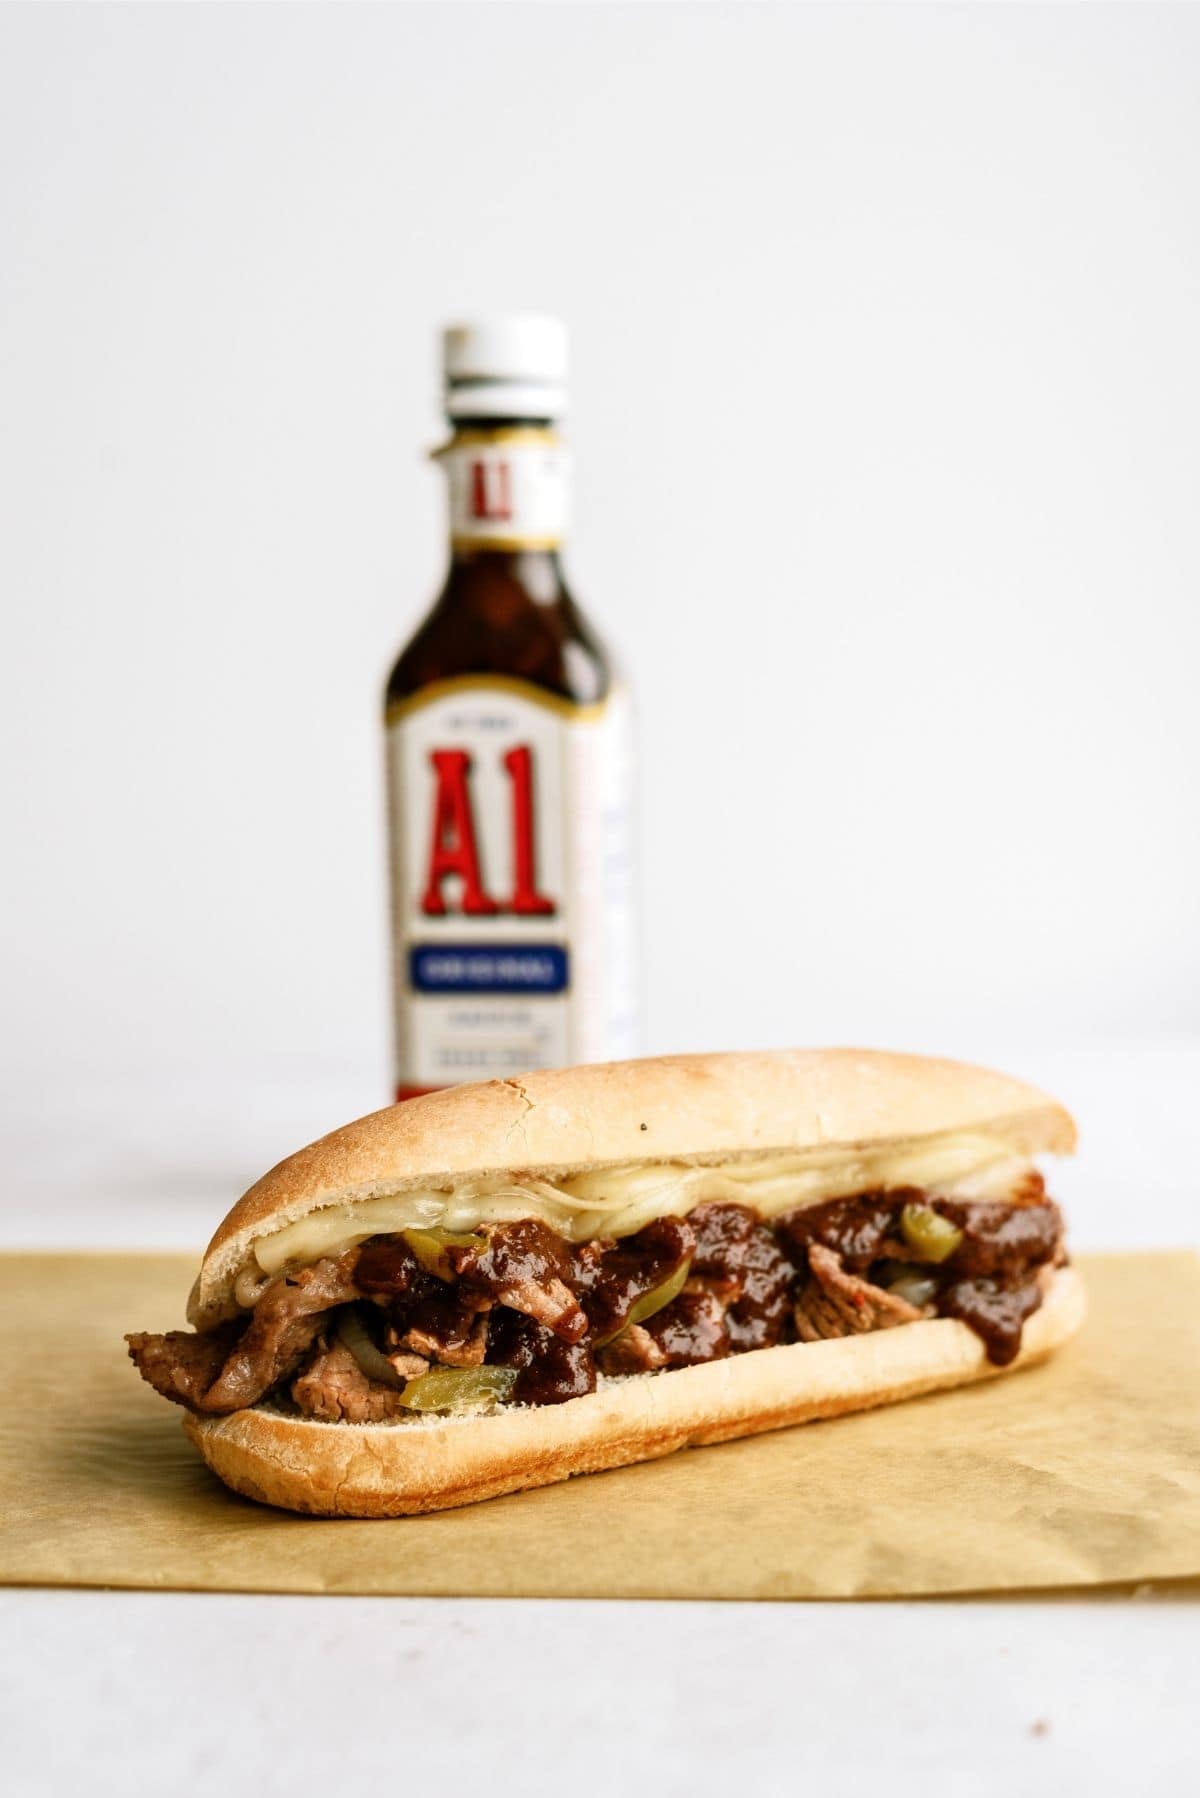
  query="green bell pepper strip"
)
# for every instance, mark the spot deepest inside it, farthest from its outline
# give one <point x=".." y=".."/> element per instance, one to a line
<point x="657" y="1299"/>
<point x="458" y="1388"/>
<point x="930" y="1236"/>
<point x="429" y="1247"/>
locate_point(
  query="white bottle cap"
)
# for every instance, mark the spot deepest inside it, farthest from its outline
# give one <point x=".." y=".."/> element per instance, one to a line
<point x="508" y="367"/>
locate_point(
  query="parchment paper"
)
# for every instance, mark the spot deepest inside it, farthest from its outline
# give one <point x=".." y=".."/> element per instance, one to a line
<point x="1082" y="1472"/>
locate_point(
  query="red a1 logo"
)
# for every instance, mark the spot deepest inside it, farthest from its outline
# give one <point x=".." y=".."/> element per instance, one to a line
<point x="491" y="491"/>
<point x="454" y="847"/>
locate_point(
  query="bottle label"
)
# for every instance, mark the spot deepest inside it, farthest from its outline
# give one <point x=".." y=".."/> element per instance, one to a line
<point x="509" y="488"/>
<point x="512" y="877"/>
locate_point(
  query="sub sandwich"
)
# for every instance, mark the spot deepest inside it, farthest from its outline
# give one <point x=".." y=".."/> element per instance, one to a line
<point x="497" y="1286"/>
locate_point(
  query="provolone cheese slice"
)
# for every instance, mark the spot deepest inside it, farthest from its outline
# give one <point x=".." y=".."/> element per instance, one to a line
<point x="618" y="1201"/>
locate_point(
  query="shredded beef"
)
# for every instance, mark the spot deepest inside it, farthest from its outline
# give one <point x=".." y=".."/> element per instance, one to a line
<point x="334" y="1389"/>
<point x="833" y="1302"/>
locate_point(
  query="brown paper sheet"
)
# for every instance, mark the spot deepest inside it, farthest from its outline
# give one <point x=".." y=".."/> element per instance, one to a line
<point x="1083" y="1472"/>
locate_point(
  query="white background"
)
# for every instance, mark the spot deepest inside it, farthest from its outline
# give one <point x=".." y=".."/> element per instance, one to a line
<point x="886" y="381"/>
<point x="885" y="395"/>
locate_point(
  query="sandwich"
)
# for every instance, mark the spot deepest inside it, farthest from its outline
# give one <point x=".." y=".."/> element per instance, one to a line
<point x="494" y="1287"/>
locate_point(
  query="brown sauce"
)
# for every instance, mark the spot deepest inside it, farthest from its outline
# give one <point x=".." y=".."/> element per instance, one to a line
<point x="999" y="1240"/>
<point x="524" y="1297"/>
<point x="552" y="1370"/>
<point x="995" y="1313"/>
<point x="858" y="1229"/>
<point x="612" y="1276"/>
<point x="741" y="1258"/>
<point x="694" y="1328"/>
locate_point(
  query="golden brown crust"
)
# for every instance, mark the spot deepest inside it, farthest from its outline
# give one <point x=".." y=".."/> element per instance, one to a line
<point x="381" y="1470"/>
<point x="675" y="1107"/>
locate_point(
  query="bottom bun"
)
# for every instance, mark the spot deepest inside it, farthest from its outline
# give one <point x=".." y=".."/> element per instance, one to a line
<point x="397" y="1470"/>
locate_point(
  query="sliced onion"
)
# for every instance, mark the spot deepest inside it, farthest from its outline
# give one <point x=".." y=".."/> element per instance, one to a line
<point x="352" y="1334"/>
<point x="249" y="1288"/>
<point x="915" y="1288"/>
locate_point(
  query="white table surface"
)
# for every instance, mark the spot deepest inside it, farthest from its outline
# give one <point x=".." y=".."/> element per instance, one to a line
<point x="154" y="1692"/>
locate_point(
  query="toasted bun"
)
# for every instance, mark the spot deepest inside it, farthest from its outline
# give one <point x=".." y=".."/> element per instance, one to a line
<point x="690" y="1108"/>
<point x="396" y="1470"/>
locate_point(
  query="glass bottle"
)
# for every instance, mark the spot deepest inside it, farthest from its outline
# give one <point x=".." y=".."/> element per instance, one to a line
<point x="509" y="756"/>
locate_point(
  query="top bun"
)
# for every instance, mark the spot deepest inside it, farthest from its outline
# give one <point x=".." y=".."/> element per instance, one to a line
<point x="691" y="1108"/>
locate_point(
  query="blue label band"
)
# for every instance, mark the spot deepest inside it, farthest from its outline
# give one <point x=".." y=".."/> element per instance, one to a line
<point x="487" y="968"/>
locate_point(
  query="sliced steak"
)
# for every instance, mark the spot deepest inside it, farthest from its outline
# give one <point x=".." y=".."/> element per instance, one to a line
<point x="527" y="1267"/>
<point x="552" y="1370"/>
<point x="1002" y="1241"/>
<point x="442" y="1326"/>
<point x="227" y="1369"/>
<point x="858" y="1230"/>
<point x="613" y="1276"/>
<point x="740" y="1258"/>
<point x="520" y="1295"/>
<point x="334" y="1389"/>
<point x="182" y="1365"/>
<point x="691" y="1329"/>
<point x="284" y="1323"/>
<point x="388" y="1269"/>
<point x="633" y="1351"/>
<point x="835" y="1303"/>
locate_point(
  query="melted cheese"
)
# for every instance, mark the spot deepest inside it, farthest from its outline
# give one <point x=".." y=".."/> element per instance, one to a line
<point x="618" y="1201"/>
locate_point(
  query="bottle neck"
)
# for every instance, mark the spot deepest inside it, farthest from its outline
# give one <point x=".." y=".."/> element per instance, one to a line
<point x="509" y="488"/>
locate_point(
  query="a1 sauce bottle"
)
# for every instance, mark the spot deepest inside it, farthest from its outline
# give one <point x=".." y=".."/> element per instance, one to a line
<point x="509" y="756"/>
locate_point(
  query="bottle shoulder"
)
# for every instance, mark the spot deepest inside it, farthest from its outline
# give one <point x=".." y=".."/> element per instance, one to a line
<point x="499" y="619"/>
